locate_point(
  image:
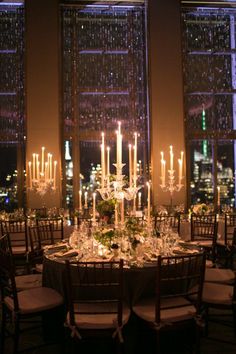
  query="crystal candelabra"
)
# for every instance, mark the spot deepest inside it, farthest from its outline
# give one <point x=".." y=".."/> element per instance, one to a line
<point x="171" y="185"/>
<point x="117" y="188"/>
<point x="42" y="173"/>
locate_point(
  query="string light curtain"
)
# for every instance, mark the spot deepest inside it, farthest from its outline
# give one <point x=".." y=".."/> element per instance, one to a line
<point x="104" y="78"/>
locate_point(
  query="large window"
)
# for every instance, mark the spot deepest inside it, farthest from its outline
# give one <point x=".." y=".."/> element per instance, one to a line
<point x="104" y="81"/>
<point x="12" y="119"/>
<point x="209" y="65"/>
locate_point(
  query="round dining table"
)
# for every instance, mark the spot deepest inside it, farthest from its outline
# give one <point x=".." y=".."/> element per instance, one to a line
<point x="138" y="281"/>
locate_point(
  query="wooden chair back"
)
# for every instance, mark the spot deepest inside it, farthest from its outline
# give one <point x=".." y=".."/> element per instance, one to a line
<point x="172" y="221"/>
<point x="17" y="230"/>
<point x="203" y="227"/>
<point x="230" y="224"/>
<point x="94" y="283"/>
<point x="57" y="227"/>
<point x="7" y="271"/>
<point x="179" y="276"/>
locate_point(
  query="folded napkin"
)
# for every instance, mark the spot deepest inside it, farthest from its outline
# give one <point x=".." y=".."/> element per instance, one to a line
<point x="55" y="247"/>
<point x="70" y="253"/>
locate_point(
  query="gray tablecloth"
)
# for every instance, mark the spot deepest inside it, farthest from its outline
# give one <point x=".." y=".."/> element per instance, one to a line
<point x="138" y="282"/>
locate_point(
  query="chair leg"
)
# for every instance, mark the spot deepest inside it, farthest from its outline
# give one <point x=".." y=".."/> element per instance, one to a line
<point x="158" y="341"/>
<point x="206" y="319"/>
<point x="234" y="318"/>
<point x="3" y="329"/>
<point x="197" y="339"/>
<point x="16" y="334"/>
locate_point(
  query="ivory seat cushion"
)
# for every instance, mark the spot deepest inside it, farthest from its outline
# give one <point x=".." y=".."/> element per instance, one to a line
<point x="222" y="276"/>
<point x="35" y="300"/>
<point x="179" y="309"/>
<point x="28" y="281"/>
<point x="217" y="293"/>
<point x="97" y="320"/>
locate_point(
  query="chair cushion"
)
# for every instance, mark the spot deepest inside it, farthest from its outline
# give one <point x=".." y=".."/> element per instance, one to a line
<point x="18" y="250"/>
<point x="205" y="243"/>
<point x="28" y="281"/>
<point x="218" y="294"/>
<point x="97" y="320"/>
<point x="35" y="300"/>
<point x="173" y="310"/>
<point x="222" y="276"/>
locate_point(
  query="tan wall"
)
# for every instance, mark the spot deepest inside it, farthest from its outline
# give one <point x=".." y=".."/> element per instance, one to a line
<point x="42" y="88"/>
<point x="166" y="101"/>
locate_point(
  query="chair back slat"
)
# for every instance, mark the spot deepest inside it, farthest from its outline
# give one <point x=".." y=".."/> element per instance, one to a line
<point x="17" y="230"/>
<point x="57" y="226"/>
<point x="230" y="224"/>
<point x="173" y="221"/>
<point x="7" y="271"/>
<point x="179" y="276"/>
<point x="39" y="236"/>
<point x="94" y="287"/>
<point x="203" y="227"/>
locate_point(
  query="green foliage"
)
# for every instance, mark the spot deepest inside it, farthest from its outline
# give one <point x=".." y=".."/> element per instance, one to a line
<point x="105" y="237"/>
<point x="106" y="207"/>
<point x="133" y="225"/>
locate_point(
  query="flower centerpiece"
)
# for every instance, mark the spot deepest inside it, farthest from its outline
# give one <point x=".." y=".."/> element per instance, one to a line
<point x="135" y="231"/>
<point x="105" y="237"/>
<point x="106" y="209"/>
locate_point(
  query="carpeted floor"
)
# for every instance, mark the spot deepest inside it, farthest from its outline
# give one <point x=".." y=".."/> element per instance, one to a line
<point x="138" y="340"/>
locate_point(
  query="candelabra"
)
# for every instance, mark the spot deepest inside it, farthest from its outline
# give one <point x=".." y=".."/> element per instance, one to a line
<point x="42" y="174"/>
<point x="171" y="186"/>
<point x="116" y="188"/>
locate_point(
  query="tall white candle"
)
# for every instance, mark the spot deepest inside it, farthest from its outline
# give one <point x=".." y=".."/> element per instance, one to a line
<point x="171" y="158"/>
<point x="86" y="200"/>
<point x="218" y="196"/>
<point x="34" y="166"/>
<point x="30" y="174"/>
<point x="55" y="174"/>
<point x="135" y="158"/>
<point x="180" y="170"/>
<point x="94" y="206"/>
<point x="102" y="166"/>
<point x="139" y="199"/>
<point x="103" y="163"/>
<point x="130" y="165"/>
<point x="50" y="166"/>
<point x="119" y="149"/>
<point x="149" y="204"/>
<point x="42" y="161"/>
<point x="80" y="200"/>
<point x="108" y="161"/>
<point x="37" y="166"/>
